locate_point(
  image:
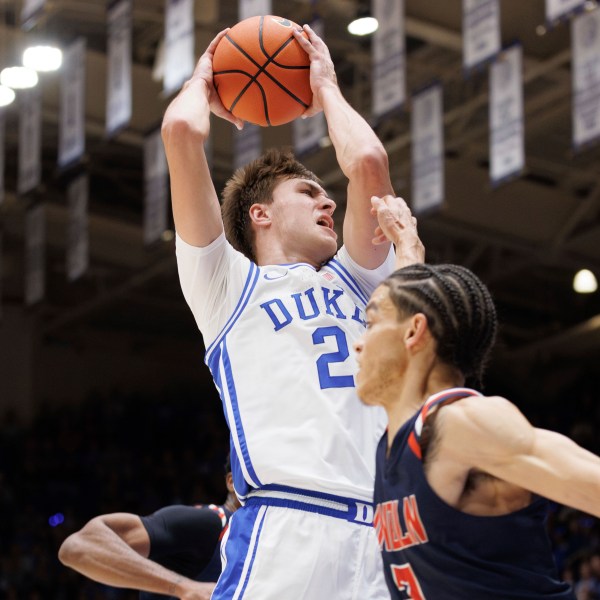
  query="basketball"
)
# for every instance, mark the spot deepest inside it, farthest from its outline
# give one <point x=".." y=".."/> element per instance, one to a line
<point x="261" y="73"/>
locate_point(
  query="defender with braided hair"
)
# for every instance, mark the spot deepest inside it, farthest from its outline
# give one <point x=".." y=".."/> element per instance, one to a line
<point x="461" y="479"/>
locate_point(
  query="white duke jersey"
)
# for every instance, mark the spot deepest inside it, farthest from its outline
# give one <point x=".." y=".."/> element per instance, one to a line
<point x="279" y="346"/>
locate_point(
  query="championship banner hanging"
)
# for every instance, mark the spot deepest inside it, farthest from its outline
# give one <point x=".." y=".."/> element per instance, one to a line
<point x="481" y="31"/>
<point x="427" y="138"/>
<point x="155" y="188"/>
<point x="585" y="39"/>
<point x="561" y="9"/>
<point x="247" y="144"/>
<point x="507" y="152"/>
<point x="254" y="8"/>
<point x="309" y="132"/>
<point x="388" y="55"/>
<point x="118" y="84"/>
<point x="71" y="135"/>
<point x="30" y="11"/>
<point x="35" y="241"/>
<point x="30" y="141"/>
<point x="179" y="44"/>
<point x="77" y="229"/>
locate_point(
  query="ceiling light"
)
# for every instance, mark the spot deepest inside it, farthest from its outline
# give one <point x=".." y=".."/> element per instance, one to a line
<point x="363" y="26"/>
<point x="585" y="282"/>
<point x="42" y="58"/>
<point x="18" y="78"/>
<point x="7" y="95"/>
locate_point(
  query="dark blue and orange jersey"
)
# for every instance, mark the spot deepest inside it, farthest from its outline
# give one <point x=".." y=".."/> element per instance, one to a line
<point x="432" y="551"/>
<point x="186" y="539"/>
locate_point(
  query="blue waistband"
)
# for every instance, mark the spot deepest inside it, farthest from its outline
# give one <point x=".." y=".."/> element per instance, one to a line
<point x="349" y="509"/>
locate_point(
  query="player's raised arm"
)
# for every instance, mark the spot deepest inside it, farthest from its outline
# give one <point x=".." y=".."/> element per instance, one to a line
<point x="492" y="435"/>
<point x="113" y="550"/>
<point x="359" y="152"/>
<point x="185" y="128"/>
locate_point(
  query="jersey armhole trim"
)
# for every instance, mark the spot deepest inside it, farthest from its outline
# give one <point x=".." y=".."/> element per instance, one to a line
<point x="434" y="401"/>
<point x="347" y="278"/>
<point x="249" y="285"/>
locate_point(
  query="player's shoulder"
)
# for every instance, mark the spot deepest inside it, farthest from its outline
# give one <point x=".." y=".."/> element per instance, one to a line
<point x="475" y="408"/>
<point x="217" y="510"/>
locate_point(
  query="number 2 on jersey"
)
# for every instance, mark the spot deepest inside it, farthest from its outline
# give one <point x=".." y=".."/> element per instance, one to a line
<point x="326" y="379"/>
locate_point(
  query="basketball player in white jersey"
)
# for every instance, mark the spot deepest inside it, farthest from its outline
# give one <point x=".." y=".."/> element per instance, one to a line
<point x="279" y="308"/>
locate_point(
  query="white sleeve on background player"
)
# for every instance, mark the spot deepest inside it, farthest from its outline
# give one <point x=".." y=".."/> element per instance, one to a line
<point x="368" y="279"/>
<point x="212" y="279"/>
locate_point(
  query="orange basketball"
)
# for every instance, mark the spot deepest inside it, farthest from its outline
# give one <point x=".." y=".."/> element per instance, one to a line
<point x="261" y="73"/>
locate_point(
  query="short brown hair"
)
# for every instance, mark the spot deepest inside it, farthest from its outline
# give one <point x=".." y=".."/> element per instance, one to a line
<point x="254" y="183"/>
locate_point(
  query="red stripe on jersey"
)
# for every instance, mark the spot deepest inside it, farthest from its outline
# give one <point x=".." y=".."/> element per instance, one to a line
<point x="414" y="445"/>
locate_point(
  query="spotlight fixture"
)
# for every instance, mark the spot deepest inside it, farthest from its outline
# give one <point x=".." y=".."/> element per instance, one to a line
<point x="585" y="282"/>
<point x="18" y="78"/>
<point x="364" y="23"/>
<point x="7" y="95"/>
<point x="363" y="26"/>
<point x="42" y="58"/>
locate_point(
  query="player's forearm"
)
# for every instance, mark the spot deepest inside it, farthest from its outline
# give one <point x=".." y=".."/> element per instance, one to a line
<point x="185" y="128"/>
<point x="357" y="147"/>
<point x="105" y="557"/>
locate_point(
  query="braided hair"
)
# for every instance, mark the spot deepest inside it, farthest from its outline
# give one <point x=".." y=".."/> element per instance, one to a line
<point x="459" y="310"/>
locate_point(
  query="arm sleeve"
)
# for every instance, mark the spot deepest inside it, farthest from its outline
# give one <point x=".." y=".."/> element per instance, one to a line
<point x="177" y="529"/>
<point x="212" y="279"/>
<point x="367" y="279"/>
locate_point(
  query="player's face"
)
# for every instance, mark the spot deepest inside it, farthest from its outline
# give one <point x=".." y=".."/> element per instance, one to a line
<point x="381" y="355"/>
<point x="302" y="216"/>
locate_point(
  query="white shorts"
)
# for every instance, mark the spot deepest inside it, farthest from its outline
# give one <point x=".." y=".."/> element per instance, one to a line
<point x="290" y="544"/>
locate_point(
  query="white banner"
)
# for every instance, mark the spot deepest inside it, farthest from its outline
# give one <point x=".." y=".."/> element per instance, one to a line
<point x="2" y="154"/>
<point x="118" y="84"/>
<point x="30" y="140"/>
<point x="254" y="8"/>
<point x="507" y="152"/>
<point x="247" y="144"/>
<point x="389" y="62"/>
<point x="77" y="229"/>
<point x="35" y="241"/>
<point x="30" y="10"/>
<point x="427" y="139"/>
<point x="585" y="39"/>
<point x="481" y="31"/>
<point x="71" y="138"/>
<point x="179" y="44"/>
<point x="560" y="9"/>
<point x="309" y="132"/>
<point x="155" y="188"/>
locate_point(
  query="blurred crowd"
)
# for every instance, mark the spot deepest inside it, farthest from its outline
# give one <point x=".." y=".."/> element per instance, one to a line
<point x="110" y="454"/>
<point x="135" y="454"/>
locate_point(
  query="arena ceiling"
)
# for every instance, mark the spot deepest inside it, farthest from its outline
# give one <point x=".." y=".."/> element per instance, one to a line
<point x="526" y="238"/>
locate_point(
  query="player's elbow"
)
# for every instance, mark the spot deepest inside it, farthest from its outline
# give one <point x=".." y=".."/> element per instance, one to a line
<point x="71" y="551"/>
<point x="371" y="162"/>
<point x="177" y="131"/>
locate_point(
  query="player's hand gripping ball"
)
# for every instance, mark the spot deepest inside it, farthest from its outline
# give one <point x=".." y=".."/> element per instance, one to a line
<point x="261" y="73"/>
